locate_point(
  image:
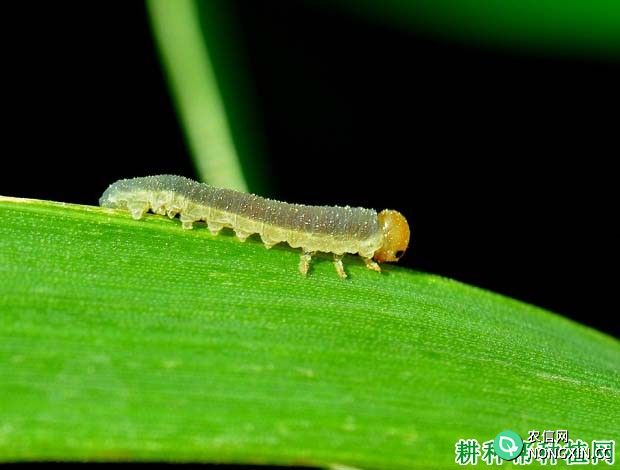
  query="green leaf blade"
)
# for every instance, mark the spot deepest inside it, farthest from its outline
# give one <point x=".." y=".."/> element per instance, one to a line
<point x="137" y="340"/>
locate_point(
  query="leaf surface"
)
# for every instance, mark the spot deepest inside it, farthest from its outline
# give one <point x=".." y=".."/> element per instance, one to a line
<point x="137" y="340"/>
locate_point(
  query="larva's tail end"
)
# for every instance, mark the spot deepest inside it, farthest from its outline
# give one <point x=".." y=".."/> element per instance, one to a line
<point x="109" y="196"/>
<point x="104" y="200"/>
<point x="396" y="236"/>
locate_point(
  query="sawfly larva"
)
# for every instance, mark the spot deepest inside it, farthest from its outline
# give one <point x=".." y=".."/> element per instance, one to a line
<point x="381" y="237"/>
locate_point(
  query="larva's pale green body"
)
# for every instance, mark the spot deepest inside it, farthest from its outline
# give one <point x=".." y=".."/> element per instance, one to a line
<point x="336" y="230"/>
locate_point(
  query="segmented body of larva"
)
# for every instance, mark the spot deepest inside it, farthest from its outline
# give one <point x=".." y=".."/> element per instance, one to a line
<point x="336" y="230"/>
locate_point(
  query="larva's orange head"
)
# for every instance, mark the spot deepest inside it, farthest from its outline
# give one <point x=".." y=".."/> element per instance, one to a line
<point x="395" y="236"/>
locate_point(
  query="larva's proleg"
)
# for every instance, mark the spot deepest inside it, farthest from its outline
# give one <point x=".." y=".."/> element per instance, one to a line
<point x="214" y="227"/>
<point x="242" y="236"/>
<point x="383" y="237"/>
<point x="187" y="222"/>
<point x="137" y="209"/>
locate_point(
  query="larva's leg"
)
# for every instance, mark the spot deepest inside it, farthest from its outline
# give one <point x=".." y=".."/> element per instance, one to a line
<point x="370" y="264"/>
<point x="137" y="209"/>
<point x="173" y="208"/>
<point x="339" y="266"/>
<point x="241" y="235"/>
<point x="187" y="222"/>
<point x="214" y="227"/>
<point x="266" y="239"/>
<point x="157" y="206"/>
<point x="304" y="262"/>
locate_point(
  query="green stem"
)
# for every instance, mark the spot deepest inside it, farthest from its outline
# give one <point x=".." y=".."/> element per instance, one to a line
<point x="177" y="30"/>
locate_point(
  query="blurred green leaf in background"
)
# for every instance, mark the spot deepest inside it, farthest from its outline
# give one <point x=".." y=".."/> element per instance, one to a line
<point x="561" y="27"/>
<point x="199" y="48"/>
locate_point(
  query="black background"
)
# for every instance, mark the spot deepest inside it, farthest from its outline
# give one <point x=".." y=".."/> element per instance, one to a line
<point x="500" y="158"/>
